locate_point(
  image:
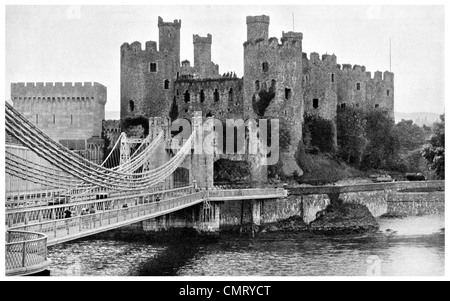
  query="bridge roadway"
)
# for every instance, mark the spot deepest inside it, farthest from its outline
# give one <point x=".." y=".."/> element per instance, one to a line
<point x="32" y="229"/>
<point x="120" y="211"/>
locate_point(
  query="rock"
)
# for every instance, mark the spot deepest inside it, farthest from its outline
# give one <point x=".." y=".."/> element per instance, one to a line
<point x="292" y="224"/>
<point x="344" y="218"/>
<point x="393" y="215"/>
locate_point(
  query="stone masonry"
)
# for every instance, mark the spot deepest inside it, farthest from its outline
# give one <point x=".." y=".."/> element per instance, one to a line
<point x="64" y="111"/>
<point x="279" y="82"/>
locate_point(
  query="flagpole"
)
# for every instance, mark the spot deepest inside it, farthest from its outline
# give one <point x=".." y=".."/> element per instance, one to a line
<point x="390" y="55"/>
<point x="293" y="28"/>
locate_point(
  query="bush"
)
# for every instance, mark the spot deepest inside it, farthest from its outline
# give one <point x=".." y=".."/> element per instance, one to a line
<point x="231" y="171"/>
<point x="318" y="134"/>
<point x="131" y="126"/>
<point x="435" y="152"/>
<point x="351" y="135"/>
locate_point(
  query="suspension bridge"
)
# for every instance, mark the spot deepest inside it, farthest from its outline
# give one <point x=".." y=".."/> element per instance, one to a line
<point x="56" y="195"/>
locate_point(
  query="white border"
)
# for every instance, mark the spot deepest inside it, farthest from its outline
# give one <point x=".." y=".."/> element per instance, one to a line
<point x="220" y="2"/>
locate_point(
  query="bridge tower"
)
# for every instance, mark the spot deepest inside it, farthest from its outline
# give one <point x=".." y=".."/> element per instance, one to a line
<point x="202" y="159"/>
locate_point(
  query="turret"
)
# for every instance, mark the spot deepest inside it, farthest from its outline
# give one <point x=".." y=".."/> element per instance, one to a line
<point x="291" y="36"/>
<point x="202" y="54"/>
<point x="257" y="27"/>
<point x="169" y="37"/>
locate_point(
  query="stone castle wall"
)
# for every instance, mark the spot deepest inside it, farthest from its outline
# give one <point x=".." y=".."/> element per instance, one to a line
<point x="357" y="88"/>
<point x="317" y="85"/>
<point x="279" y="82"/>
<point x="147" y="75"/>
<point x="63" y="111"/>
<point x="221" y="97"/>
<point x="111" y="132"/>
<point x="320" y="85"/>
<point x="273" y="76"/>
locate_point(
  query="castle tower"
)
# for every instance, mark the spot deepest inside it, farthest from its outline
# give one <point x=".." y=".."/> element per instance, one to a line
<point x="202" y="54"/>
<point x="273" y="75"/>
<point x="169" y="39"/>
<point x="148" y="75"/>
<point x="257" y="27"/>
<point x="320" y="78"/>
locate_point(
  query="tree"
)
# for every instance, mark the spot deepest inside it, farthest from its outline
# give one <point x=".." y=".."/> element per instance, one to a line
<point x="434" y="153"/>
<point x="318" y="133"/>
<point x="173" y="114"/>
<point x="410" y="136"/>
<point x="351" y="135"/>
<point x="383" y="143"/>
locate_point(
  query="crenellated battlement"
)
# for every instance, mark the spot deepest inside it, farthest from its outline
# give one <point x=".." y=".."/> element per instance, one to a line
<point x="273" y="40"/>
<point x="329" y="58"/>
<point x="357" y="69"/>
<point x="381" y="76"/>
<point x="59" y="91"/>
<point x="151" y="46"/>
<point x="258" y="19"/>
<point x="326" y="59"/>
<point x="135" y="48"/>
<point x="347" y="67"/>
<point x="56" y="84"/>
<point x="291" y="35"/>
<point x="388" y="76"/>
<point x="221" y="79"/>
<point x="272" y="43"/>
<point x="176" y="23"/>
<point x="378" y="75"/>
<point x="205" y="40"/>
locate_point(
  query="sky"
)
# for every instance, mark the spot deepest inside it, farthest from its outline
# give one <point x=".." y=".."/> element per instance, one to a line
<point x="82" y="43"/>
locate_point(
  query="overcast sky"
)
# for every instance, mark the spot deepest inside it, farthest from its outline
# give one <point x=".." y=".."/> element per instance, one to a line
<point x="61" y="43"/>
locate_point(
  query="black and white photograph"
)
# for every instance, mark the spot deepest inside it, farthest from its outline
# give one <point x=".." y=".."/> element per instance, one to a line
<point x="213" y="141"/>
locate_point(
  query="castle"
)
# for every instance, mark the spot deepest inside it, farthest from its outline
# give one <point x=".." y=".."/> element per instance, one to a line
<point x="279" y="82"/>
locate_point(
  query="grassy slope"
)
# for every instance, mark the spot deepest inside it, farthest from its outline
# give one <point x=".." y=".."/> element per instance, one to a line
<point x="323" y="169"/>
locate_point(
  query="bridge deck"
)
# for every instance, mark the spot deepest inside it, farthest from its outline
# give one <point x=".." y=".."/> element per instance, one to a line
<point x="63" y="230"/>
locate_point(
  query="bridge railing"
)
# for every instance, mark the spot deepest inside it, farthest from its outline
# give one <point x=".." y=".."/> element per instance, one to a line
<point x="40" y="214"/>
<point x="305" y="190"/>
<point x="245" y="185"/>
<point x="30" y="198"/>
<point x="87" y="194"/>
<point x="25" y="250"/>
<point x="258" y="192"/>
<point x="59" y="196"/>
<point x="82" y="223"/>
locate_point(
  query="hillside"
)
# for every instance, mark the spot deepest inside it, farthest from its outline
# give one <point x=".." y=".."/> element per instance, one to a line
<point x="421" y="118"/>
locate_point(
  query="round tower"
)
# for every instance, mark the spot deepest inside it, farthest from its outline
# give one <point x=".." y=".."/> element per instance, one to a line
<point x="202" y="54"/>
<point x="169" y="38"/>
<point x="257" y="27"/>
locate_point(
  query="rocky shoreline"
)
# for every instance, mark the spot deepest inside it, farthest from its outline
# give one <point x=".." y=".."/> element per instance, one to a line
<point x="335" y="219"/>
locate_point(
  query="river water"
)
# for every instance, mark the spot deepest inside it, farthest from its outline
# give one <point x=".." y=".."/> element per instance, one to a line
<point x="412" y="246"/>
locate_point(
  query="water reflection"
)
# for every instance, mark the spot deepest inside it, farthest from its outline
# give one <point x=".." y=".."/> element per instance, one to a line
<point x="403" y="247"/>
<point x="100" y="258"/>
